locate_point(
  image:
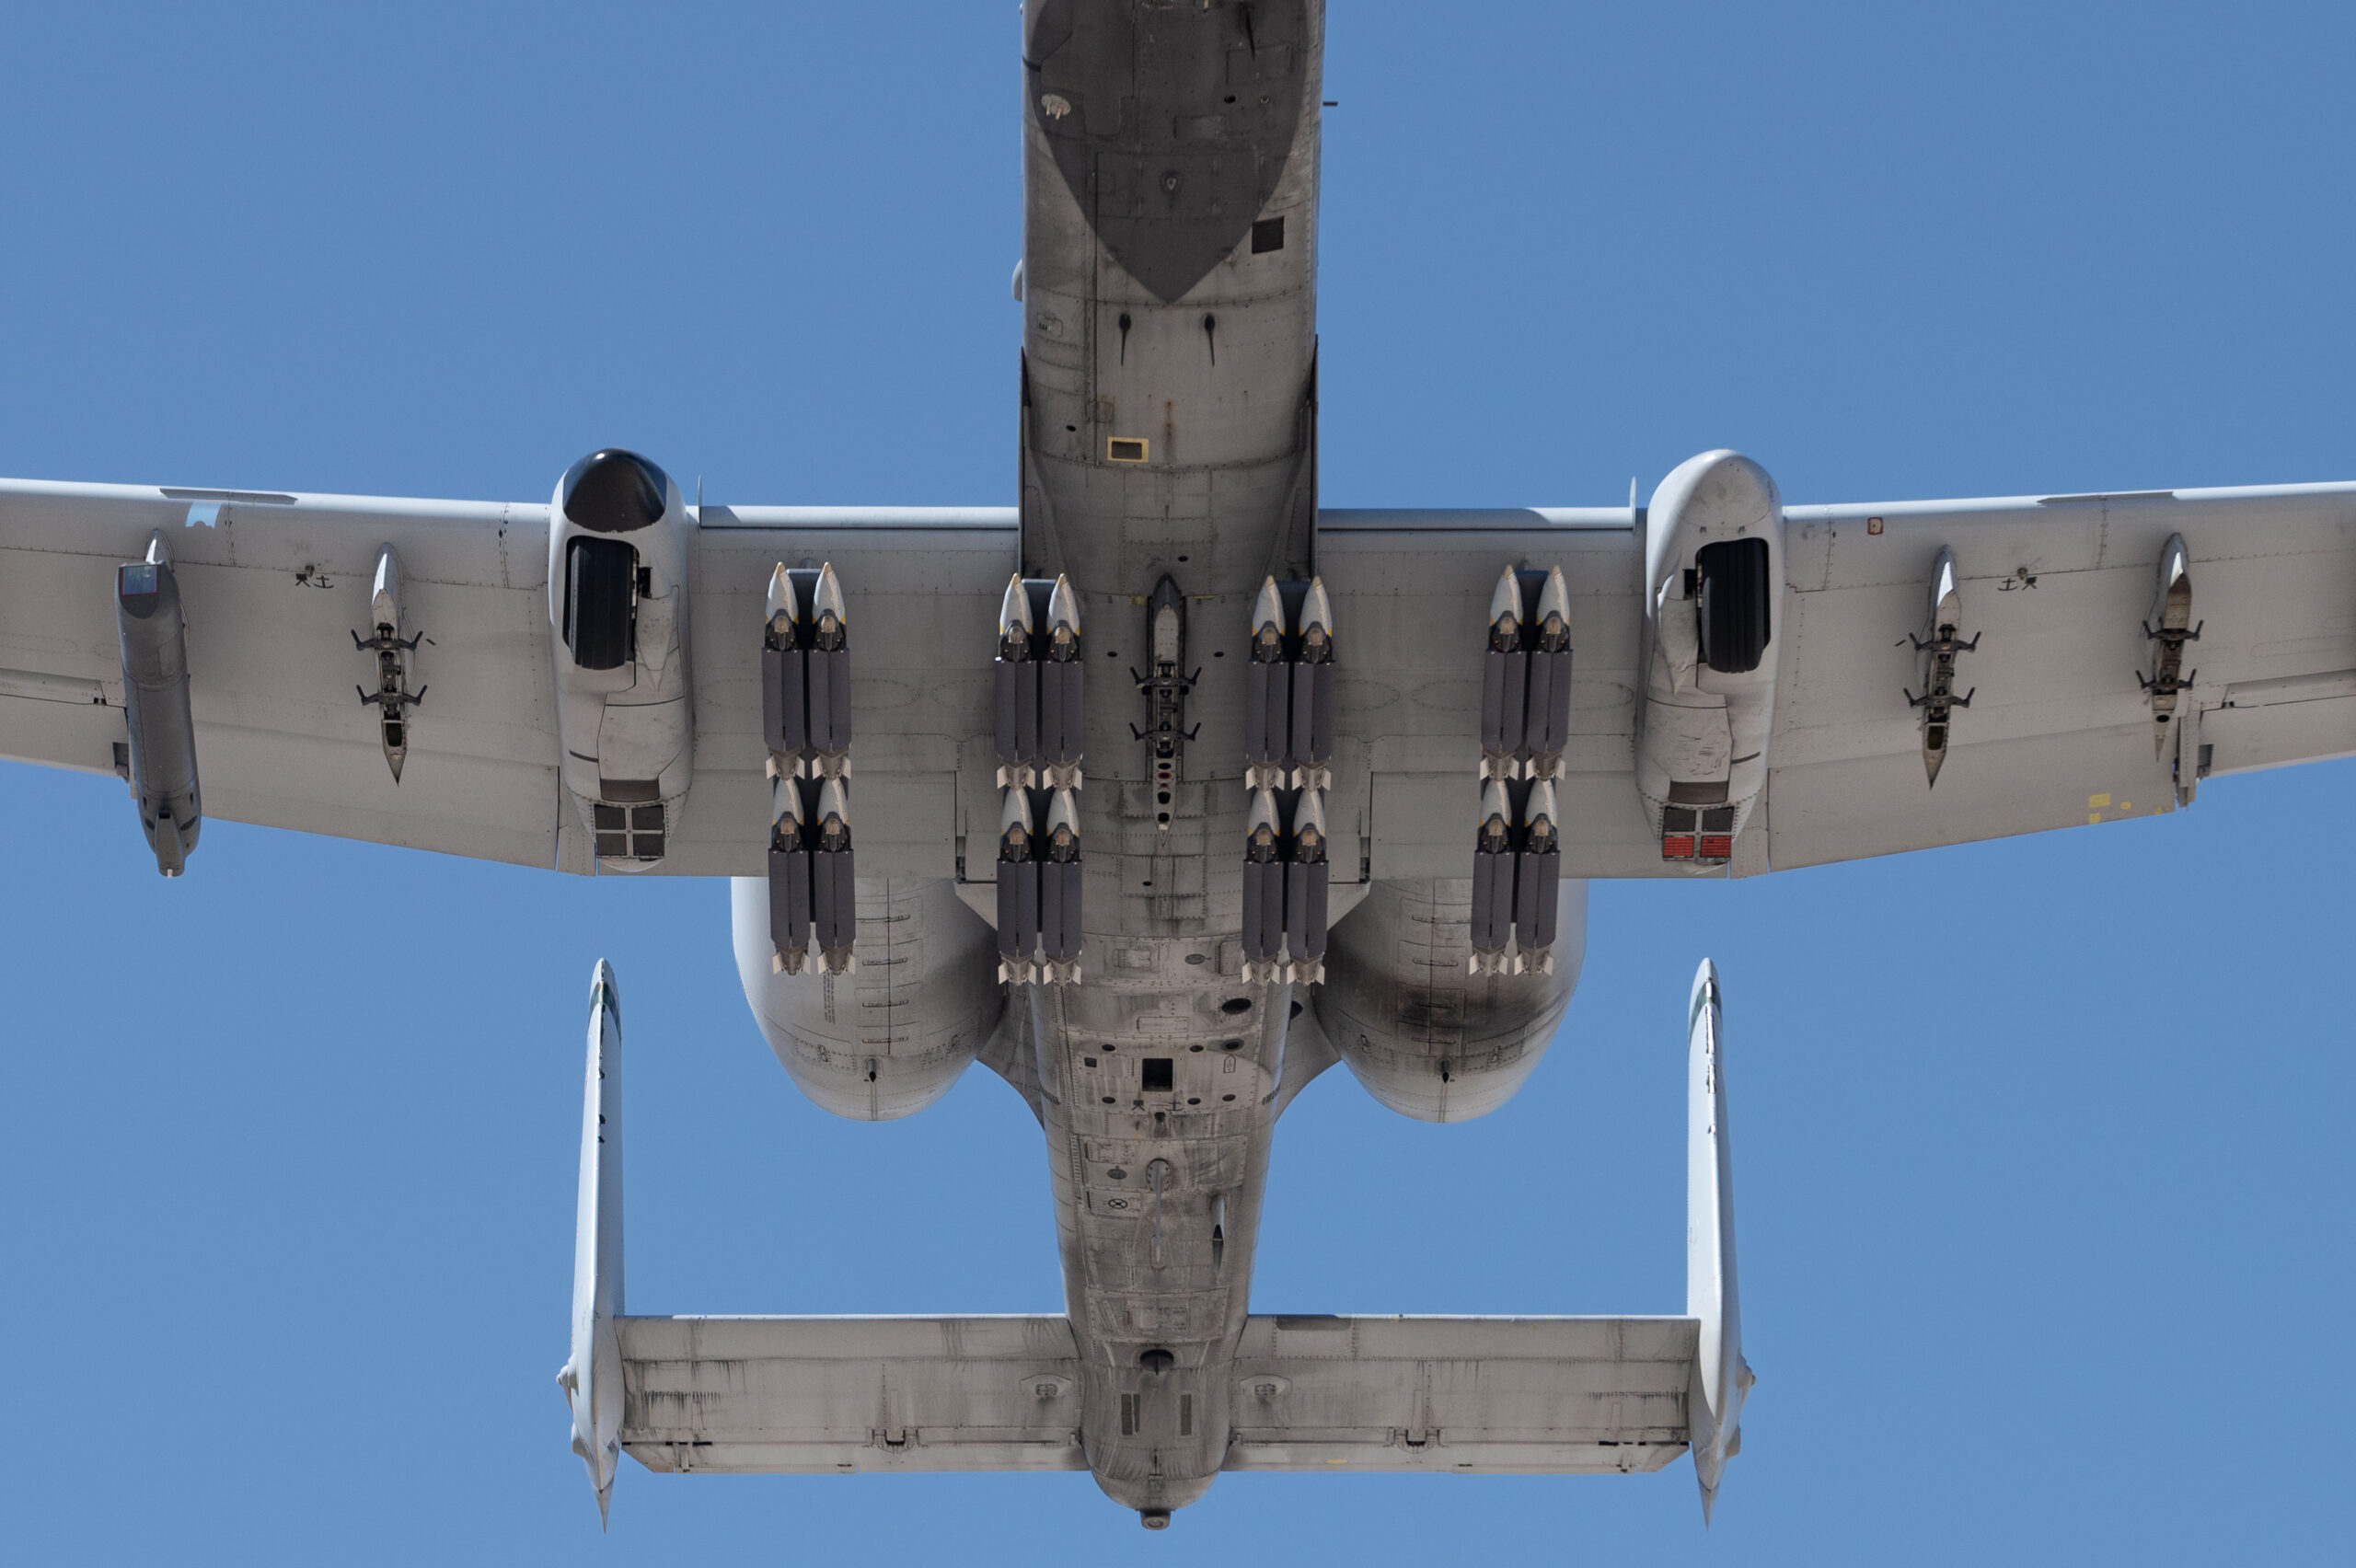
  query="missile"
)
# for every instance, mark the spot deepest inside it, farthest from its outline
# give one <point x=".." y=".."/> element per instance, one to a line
<point x="1307" y="875"/>
<point x="392" y="699"/>
<point x="1504" y="675"/>
<point x="1538" y="879"/>
<point x="829" y="678"/>
<point x="1018" y="890"/>
<point x="2170" y="626"/>
<point x="1312" y="691"/>
<point x="1268" y="691"/>
<point x="1018" y="688"/>
<point x="1062" y="733"/>
<point x="1548" y="712"/>
<point x="1264" y="889"/>
<point x="1059" y="890"/>
<point x="1493" y="871"/>
<point x="834" y="887"/>
<point x="1939" y="651"/>
<point x="153" y="638"/>
<point x="785" y="717"/>
<point x="789" y="877"/>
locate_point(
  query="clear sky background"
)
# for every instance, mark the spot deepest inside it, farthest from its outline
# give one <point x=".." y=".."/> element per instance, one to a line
<point x="2041" y="1145"/>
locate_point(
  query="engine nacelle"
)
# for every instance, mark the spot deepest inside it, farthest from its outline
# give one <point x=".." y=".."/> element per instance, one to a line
<point x="617" y="612"/>
<point x="889" y="1038"/>
<point x="1427" y="1038"/>
<point x="1714" y="590"/>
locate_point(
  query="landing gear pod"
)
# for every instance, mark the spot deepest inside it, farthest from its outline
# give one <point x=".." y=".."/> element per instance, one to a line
<point x="1713" y="576"/>
<point x="617" y="619"/>
<point x="154" y="639"/>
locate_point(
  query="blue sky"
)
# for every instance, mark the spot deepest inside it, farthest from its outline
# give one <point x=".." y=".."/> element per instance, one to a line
<point x="2042" y="1169"/>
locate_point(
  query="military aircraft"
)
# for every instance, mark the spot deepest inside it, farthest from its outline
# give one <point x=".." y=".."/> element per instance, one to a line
<point x="1333" y="791"/>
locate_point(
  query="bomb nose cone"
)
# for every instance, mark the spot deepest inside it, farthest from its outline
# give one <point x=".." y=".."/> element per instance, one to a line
<point x="1505" y="605"/>
<point x="1263" y="812"/>
<point x="784" y="606"/>
<point x="1541" y="806"/>
<point x="1017" y="814"/>
<point x="1063" y="813"/>
<point x="1014" y="610"/>
<point x="1494" y="804"/>
<point x="829" y="599"/>
<point x="834" y="800"/>
<point x="1317" y="610"/>
<point x="1269" y="610"/>
<point x="785" y="802"/>
<point x="1310" y="815"/>
<point x="1555" y="599"/>
<point x="1063" y="607"/>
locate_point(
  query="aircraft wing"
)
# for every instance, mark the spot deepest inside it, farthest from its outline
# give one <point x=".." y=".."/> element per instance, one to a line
<point x="276" y="586"/>
<point x="2057" y="594"/>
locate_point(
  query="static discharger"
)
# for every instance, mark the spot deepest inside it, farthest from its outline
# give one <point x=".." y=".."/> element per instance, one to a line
<point x="2169" y="627"/>
<point x="1938" y="701"/>
<point x="392" y="699"/>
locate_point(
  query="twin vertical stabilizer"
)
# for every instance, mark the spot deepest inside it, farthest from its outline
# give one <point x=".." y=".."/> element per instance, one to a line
<point x="591" y="1378"/>
<point x="1720" y="1377"/>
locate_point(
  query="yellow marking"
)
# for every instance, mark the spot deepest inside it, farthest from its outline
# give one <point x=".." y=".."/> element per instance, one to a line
<point x="2093" y="819"/>
<point x="1337" y="1461"/>
<point x="1126" y="448"/>
<point x="2095" y="802"/>
<point x="2126" y="805"/>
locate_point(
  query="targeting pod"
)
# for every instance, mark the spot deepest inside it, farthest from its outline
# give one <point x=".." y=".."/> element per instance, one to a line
<point x="1493" y="870"/>
<point x="1059" y="891"/>
<point x="1538" y="881"/>
<point x="834" y="886"/>
<point x="1264" y="889"/>
<point x="1062" y="728"/>
<point x="789" y="877"/>
<point x="1307" y="875"/>
<point x="1312" y="691"/>
<point x="1018" y="690"/>
<point x="1018" y="890"/>
<point x="154" y="639"/>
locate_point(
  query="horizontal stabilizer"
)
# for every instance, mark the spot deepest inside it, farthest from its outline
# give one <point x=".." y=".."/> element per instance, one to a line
<point x="825" y="1396"/>
<point x="1476" y="1396"/>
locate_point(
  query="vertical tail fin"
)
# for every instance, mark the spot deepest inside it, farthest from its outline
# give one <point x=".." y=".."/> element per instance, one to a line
<point x="1720" y="1376"/>
<point x="591" y="1378"/>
